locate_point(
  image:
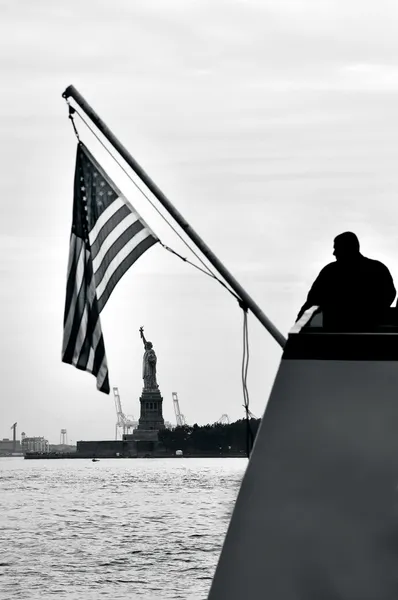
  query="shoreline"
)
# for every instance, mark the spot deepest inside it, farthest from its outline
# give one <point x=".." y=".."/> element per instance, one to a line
<point x="76" y="455"/>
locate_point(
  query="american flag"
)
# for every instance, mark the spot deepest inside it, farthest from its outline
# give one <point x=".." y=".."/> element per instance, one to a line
<point x="107" y="237"/>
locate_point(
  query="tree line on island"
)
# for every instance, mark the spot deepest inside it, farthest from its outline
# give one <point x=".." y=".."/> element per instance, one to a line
<point x="218" y="438"/>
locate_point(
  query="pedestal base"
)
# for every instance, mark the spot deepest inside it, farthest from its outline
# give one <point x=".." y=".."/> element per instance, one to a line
<point x="148" y="435"/>
<point x="151" y="416"/>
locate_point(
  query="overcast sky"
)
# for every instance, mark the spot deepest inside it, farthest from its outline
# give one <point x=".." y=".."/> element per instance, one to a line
<point x="271" y="125"/>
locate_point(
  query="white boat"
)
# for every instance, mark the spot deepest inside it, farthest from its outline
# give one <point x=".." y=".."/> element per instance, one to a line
<point x="316" y="516"/>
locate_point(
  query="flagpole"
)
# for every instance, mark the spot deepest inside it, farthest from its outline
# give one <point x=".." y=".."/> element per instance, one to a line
<point x="71" y="92"/>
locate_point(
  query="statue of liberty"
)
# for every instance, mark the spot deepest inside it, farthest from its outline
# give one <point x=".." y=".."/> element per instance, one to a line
<point x="148" y="364"/>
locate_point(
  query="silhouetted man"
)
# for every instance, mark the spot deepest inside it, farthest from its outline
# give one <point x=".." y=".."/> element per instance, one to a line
<point x="353" y="291"/>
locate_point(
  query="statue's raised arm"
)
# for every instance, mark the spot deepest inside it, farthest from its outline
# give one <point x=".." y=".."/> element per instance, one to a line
<point x="142" y="335"/>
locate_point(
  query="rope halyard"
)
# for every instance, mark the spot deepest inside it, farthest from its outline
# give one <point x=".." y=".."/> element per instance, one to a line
<point x="202" y="271"/>
<point x="245" y="366"/>
<point x="71" y="113"/>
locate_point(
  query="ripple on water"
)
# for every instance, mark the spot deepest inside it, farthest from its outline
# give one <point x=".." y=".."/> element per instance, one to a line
<point x="117" y="529"/>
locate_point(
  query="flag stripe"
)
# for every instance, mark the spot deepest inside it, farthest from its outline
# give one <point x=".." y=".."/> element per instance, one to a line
<point x="112" y="223"/>
<point x="116" y="205"/>
<point x="123" y="267"/>
<point x="75" y="246"/>
<point x="105" y="387"/>
<point x="112" y="216"/>
<point x="75" y="270"/>
<point x="90" y="362"/>
<point x="86" y="327"/>
<point x="99" y="355"/>
<point x="117" y="260"/>
<point x="75" y="320"/>
<point x="96" y="338"/>
<point x="93" y="334"/>
<point x="80" y="337"/>
<point x="74" y="307"/>
<point x="102" y="374"/>
<point x="80" y="308"/>
<point x="121" y="235"/>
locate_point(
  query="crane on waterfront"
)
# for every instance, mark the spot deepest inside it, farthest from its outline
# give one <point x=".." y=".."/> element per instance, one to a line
<point x="224" y="419"/>
<point x="179" y="416"/>
<point x="126" y="424"/>
<point x="14" y="437"/>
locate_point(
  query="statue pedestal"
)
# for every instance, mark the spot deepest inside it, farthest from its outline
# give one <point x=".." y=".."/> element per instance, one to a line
<point x="151" y="416"/>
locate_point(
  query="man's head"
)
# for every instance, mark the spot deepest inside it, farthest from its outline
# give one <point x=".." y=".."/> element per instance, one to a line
<point x="148" y="345"/>
<point x="346" y="246"/>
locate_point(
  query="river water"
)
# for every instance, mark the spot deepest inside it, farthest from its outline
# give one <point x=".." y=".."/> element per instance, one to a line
<point x="118" y="529"/>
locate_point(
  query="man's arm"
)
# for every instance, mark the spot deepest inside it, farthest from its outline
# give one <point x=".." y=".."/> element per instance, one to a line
<point x="315" y="295"/>
<point x="387" y="289"/>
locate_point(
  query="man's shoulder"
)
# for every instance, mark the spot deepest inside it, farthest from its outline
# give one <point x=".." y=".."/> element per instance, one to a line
<point x="329" y="268"/>
<point x="375" y="264"/>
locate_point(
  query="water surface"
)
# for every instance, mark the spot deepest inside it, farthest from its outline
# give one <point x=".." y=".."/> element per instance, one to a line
<point x="147" y="529"/>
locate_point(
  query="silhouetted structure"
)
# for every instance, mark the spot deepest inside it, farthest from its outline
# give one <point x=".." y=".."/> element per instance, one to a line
<point x="34" y="444"/>
<point x="145" y="437"/>
<point x="148" y="364"/>
<point x="63" y="438"/>
<point x="14" y="436"/>
<point x="151" y="402"/>
<point x="352" y="292"/>
<point x="218" y="438"/>
<point x="9" y="447"/>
